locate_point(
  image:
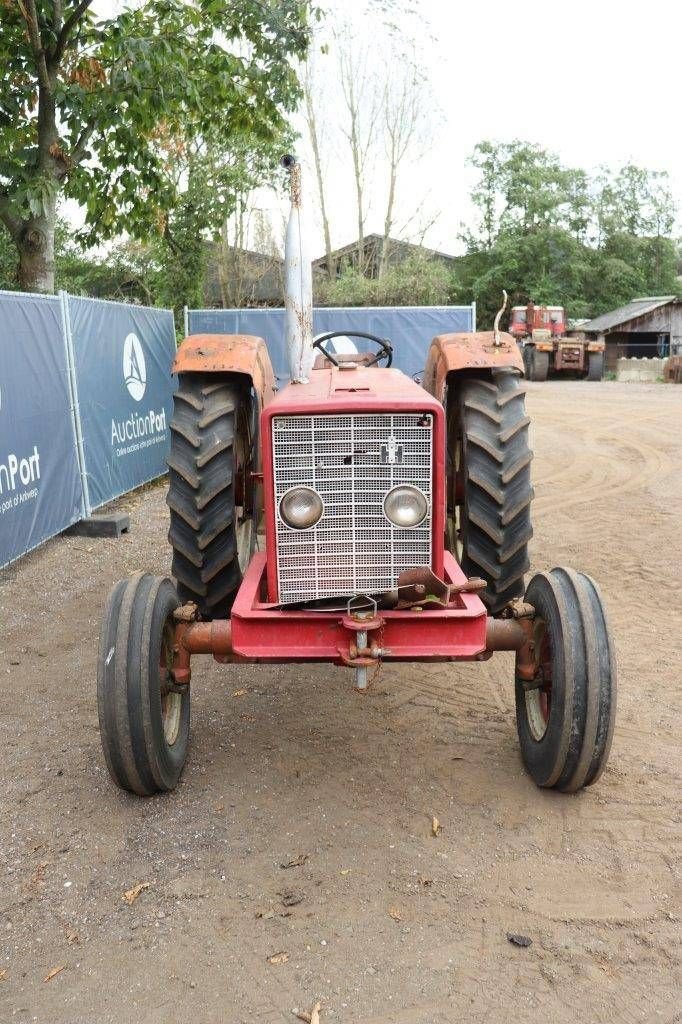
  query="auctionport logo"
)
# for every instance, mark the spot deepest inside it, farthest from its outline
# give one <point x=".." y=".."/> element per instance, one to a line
<point x="134" y="367"/>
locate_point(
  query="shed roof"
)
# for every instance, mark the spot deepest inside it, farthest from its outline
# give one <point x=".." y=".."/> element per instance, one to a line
<point x="375" y="241"/>
<point x="636" y="308"/>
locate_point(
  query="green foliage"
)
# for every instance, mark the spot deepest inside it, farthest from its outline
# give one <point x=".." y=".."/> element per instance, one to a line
<point x="214" y="183"/>
<point x="554" y="235"/>
<point x="415" y="281"/>
<point x="88" y="106"/>
<point x="8" y="262"/>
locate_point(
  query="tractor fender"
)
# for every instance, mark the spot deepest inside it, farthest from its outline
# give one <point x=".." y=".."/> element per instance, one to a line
<point x="450" y="353"/>
<point x="229" y="353"/>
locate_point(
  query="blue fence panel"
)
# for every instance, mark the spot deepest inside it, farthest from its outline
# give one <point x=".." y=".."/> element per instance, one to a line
<point x="40" y="488"/>
<point x="122" y="357"/>
<point x="409" y="328"/>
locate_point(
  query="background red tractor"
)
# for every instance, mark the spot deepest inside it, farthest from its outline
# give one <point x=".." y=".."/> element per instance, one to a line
<point x="396" y="522"/>
<point x="547" y="347"/>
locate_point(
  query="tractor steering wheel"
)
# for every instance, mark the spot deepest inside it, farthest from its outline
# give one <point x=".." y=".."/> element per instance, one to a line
<point x="385" y="347"/>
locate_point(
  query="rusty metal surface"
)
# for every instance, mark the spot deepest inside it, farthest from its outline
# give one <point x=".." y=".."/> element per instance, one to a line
<point x="569" y="355"/>
<point x="229" y="353"/>
<point x="421" y="586"/>
<point x="205" y="637"/>
<point x="452" y="352"/>
<point x="504" y="634"/>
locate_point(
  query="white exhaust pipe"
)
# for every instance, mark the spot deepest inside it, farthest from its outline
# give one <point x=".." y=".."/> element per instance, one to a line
<point x="298" y="284"/>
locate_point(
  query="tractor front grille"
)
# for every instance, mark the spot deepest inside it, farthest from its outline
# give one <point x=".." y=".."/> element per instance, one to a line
<point x="352" y="461"/>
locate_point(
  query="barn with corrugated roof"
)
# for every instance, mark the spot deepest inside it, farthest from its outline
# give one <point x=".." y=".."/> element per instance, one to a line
<point x="650" y="326"/>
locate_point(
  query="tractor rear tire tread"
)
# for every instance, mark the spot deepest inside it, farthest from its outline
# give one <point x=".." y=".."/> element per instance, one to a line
<point x="495" y="516"/>
<point x="201" y="494"/>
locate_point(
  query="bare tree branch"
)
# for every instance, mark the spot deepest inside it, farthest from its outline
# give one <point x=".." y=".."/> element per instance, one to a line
<point x="311" y="119"/>
<point x="363" y="104"/>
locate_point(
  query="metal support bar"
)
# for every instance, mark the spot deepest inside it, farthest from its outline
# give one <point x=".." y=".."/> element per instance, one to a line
<point x="505" y="634"/>
<point x="205" y="637"/>
<point x="73" y="397"/>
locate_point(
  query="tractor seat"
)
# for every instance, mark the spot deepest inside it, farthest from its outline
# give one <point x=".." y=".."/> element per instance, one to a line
<point x="360" y="358"/>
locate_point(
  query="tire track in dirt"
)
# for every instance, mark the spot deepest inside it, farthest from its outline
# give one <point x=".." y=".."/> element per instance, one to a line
<point x="652" y="464"/>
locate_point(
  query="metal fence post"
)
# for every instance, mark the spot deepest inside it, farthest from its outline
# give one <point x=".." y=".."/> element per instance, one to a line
<point x="73" y="397"/>
<point x="186" y="320"/>
<point x="473" y="315"/>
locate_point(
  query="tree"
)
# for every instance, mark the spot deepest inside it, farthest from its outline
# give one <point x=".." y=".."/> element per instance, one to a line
<point x="362" y="100"/>
<point x="315" y="135"/>
<point x="402" y="116"/>
<point x="416" y="281"/>
<point x="536" y="220"/>
<point x="212" y="185"/>
<point x="83" y="100"/>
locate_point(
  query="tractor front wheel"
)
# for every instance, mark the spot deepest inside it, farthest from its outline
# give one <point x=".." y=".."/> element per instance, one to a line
<point x="143" y="713"/>
<point x="565" y="716"/>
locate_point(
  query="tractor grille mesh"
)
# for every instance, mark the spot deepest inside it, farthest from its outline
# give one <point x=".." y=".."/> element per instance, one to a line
<point x="353" y="549"/>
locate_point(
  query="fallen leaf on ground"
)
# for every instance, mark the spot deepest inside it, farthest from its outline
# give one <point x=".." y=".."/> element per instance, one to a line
<point x="519" y="940"/>
<point x="3" y="975"/>
<point x="73" y="938"/>
<point x="296" y="862"/>
<point x="38" y="876"/>
<point x="278" y="958"/>
<point x="248" y="718"/>
<point x="313" y="1017"/>
<point x="436" y="827"/>
<point x="395" y="914"/>
<point x="239" y="693"/>
<point x="457" y="757"/>
<point x="425" y="881"/>
<point x="345" y="871"/>
<point x="130" y="895"/>
<point x="54" y="972"/>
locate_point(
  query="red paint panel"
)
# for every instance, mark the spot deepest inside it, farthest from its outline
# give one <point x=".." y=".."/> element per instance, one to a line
<point x="261" y="632"/>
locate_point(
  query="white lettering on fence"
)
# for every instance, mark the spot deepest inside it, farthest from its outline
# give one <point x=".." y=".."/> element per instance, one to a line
<point x="136" y="426"/>
<point x="15" y="471"/>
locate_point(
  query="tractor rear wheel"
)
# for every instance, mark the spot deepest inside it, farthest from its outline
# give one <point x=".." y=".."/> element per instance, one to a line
<point x="565" y="721"/>
<point x="595" y="366"/>
<point x="211" y="488"/>
<point x="143" y="715"/>
<point x="539" y="365"/>
<point x="492" y="490"/>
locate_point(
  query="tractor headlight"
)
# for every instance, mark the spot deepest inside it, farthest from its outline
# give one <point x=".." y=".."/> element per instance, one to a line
<point x="301" y="508"/>
<point x="406" y="506"/>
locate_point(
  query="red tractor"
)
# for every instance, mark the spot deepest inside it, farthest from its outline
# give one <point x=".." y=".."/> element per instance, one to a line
<point x="396" y="520"/>
<point x="547" y="349"/>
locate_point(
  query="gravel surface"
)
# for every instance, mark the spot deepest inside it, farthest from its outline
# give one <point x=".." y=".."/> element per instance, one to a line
<point x="381" y="921"/>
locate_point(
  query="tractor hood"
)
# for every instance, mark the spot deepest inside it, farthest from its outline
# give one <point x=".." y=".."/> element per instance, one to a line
<point x="357" y="389"/>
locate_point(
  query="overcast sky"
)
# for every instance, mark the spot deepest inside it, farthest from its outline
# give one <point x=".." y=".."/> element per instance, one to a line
<point x="597" y="81"/>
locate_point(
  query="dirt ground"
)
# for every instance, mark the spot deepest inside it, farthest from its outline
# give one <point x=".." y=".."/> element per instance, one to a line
<point x="382" y="922"/>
